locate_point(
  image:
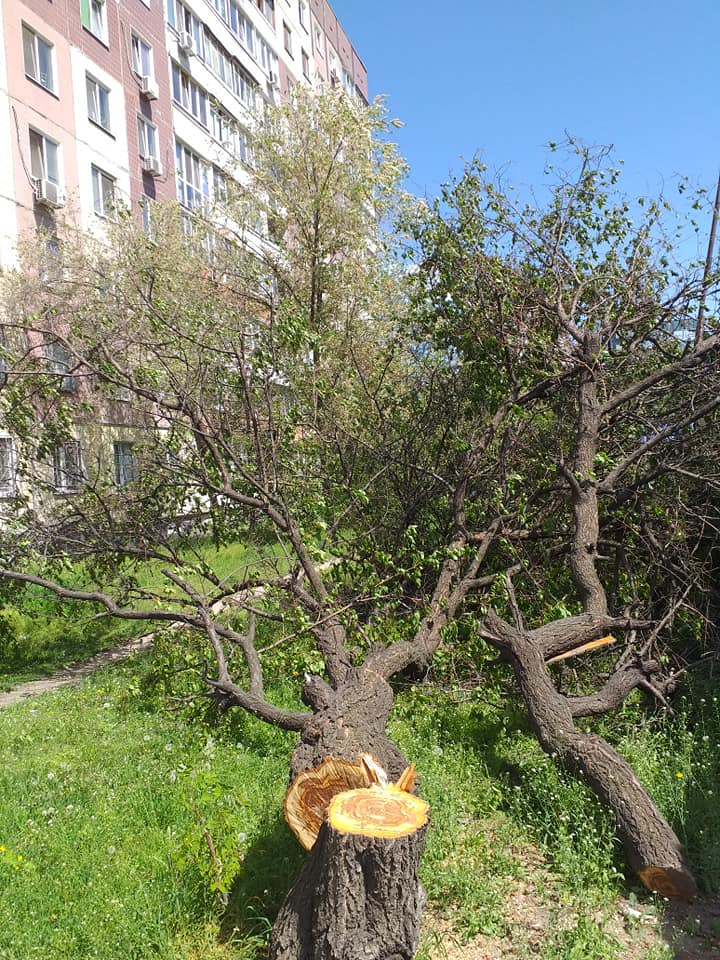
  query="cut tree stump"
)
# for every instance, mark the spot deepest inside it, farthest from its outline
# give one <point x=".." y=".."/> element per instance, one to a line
<point x="358" y="896"/>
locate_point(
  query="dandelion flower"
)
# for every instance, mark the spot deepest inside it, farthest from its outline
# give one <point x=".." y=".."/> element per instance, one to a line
<point x="679" y="774"/>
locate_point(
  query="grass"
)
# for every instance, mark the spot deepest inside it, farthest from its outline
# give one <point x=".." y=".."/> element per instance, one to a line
<point x="107" y="802"/>
<point x="44" y="635"/>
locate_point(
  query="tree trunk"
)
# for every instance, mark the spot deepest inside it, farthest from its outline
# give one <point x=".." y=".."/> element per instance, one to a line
<point x="652" y="849"/>
<point x="358" y="895"/>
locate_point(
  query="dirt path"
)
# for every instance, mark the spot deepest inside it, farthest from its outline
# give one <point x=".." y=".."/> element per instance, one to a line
<point x="76" y="672"/>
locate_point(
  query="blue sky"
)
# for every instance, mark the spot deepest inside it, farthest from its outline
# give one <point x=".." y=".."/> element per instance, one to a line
<point x="504" y="78"/>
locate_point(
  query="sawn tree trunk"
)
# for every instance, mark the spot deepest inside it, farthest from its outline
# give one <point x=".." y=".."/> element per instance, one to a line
<point x="358" y="895"/>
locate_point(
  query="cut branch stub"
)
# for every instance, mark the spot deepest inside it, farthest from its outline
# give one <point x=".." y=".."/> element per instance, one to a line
<point x="310" y="793"/>
<point x="377" y="812"/>
<point x="583" y="648"/>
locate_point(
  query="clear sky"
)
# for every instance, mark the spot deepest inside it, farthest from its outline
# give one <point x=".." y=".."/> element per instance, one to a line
<point x="503" y="77"/>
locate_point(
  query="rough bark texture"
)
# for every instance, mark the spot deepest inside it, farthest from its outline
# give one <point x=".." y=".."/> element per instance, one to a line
<point x="356" y="898"/>
<point x="652" y="850"/>
<point x="349" y="721"/>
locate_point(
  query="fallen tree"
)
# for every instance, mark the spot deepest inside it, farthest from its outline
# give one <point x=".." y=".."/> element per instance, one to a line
<point x="502" y="434"/>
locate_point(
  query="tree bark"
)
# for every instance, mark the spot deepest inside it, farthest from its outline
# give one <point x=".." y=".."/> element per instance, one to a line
<point x="652" y="849"/>
<point x="357" y="897"/>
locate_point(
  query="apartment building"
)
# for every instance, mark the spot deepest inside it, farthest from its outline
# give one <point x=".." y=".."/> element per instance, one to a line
<point x="108" y="101"/>
<point x="123" y="102"/>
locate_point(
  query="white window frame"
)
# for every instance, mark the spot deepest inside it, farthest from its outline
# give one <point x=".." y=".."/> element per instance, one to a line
<point x="44" y="157"/>
<point x="8" y="467"/>
<point x="142" y="56"/>
<point x="104" y="192"/>
<point x="98" y="19"/>
<point x="189" y="95"/>
<point x="67" y="467"/>
<point x="193" y="178"/>
<point x="148" y="144"/>
<point x="34" y="45"/>
<point x="96" y="92"/>
<point x="303" y="17"/>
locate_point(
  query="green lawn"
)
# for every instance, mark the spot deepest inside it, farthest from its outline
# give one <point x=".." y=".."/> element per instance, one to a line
<point x="107" y="802"/>
<point x="42" y="635"/>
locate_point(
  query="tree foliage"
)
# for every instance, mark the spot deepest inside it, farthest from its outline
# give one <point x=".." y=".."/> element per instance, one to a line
<point x="512" y="419"/>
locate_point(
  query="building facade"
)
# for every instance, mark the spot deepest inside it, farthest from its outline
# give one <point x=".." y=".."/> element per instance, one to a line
<point x="124" y="102"/>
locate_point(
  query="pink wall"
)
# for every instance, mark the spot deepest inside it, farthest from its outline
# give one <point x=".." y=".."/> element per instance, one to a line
<point x="53" y="114"/>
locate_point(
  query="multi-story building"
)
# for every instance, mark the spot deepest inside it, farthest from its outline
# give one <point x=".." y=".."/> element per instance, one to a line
<point x="122" y="102"/>
<point x="102" y="101"/>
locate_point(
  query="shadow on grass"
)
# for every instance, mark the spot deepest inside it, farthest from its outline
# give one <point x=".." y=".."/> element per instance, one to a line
<point x="270" y="868"/>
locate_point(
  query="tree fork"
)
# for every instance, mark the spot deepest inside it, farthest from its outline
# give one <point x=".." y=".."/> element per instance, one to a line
<point x="652" y="849"/>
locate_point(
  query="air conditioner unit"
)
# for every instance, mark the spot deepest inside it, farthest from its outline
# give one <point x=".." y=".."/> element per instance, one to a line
<point x="186" y="42"/>
<point x="153" y="166"/>
<point x="273" y="80"/>
<point x="149" y="88"/>
<point x="48" y="194"/>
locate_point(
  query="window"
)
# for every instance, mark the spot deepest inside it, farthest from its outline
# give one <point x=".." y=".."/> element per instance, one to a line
<point x="181" y="18"/>
<point x="44" y="158"/>
<point x="98" y="100"/>
<point x="243" y="85"/>
<point x="193" y="181"/>
<point x="287" y="38"/>
<point x="7" y="467"/>
<point x="305" y="65"/>
<point x="125" y="463"/>
<point x="302" y="14"/>
<point x="268" y="59"/>
<point x="318" y="41"/>
<point x="189" y="94"/>
<point x="93" y="18"/>
<point x="103" y="192"/>
<point x="227" y="132"/>
<point x="267" y="8"/>
<point x="38" y="58"/>
<point x="3" y="361"/>
<point x="147" y="138"/>
<point x="220" y="187"/>
<point x="142" y="58"/>
<point x="67" y="467"/>
<point x="146" y="210"/>
<point x="60" y="361"/>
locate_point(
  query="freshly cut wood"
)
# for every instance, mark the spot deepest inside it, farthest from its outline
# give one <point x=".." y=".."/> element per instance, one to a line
<point x="407" y="779"/>
<point x="310" y="793"/>
<point x="377" y="812"/>
<point x="583" y="648"/>
<point x="358" y="896"/>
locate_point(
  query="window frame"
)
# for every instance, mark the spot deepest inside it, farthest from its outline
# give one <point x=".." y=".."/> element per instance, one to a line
<point x="137" y="43"/>
<point x="193" y="191"/>
<point x="148" y="148"/>
<point x="8" y="481"/>
<point x="35" y="38"/>
<point x="43" y="142"/>
<point x="100" y="180"/>
<point x="287" y="40"/>
<point x="67" y="477"/>
<point x="125" y="464"/>
<point x="188" y="94"/>
<point x="94" y="99"/>
<point x="93" y="17"/>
